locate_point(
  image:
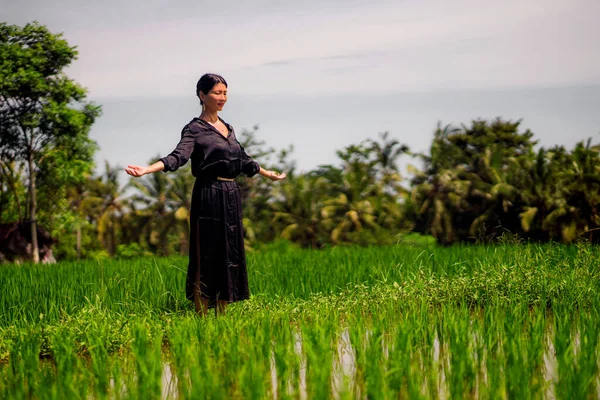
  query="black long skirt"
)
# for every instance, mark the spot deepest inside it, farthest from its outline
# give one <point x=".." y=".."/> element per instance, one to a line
<point x="217" y="262"/>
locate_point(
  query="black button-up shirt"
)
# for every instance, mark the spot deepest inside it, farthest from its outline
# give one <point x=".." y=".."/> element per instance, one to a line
<point x="212" y="153"/>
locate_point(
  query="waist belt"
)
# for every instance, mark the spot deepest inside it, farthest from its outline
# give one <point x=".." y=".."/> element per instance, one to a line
<point x="219" y="178"/>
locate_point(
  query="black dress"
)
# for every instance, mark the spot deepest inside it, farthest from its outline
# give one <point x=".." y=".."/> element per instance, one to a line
<point x="217" y="260"/>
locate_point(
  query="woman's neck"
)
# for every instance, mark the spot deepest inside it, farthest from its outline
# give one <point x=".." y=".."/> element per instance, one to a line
<point x="211" y="117"/>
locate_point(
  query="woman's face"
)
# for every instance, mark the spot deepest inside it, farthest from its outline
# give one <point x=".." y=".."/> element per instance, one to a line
<point x="216" y="98"/>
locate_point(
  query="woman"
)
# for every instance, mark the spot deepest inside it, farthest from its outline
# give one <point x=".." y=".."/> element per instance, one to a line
<point x="217" y="262"/>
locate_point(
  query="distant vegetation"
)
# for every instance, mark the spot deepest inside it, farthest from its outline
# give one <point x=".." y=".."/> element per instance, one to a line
<point x="478" y="183"/>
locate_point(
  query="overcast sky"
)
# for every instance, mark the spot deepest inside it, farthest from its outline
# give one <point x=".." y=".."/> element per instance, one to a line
<point x="277" y="53"/>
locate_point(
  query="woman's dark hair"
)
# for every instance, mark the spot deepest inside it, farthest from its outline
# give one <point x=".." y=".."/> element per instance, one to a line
<point x="207" y="82"/>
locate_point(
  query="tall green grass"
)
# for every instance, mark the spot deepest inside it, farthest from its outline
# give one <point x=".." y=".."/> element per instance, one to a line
<point x="477" y="275"/>
<point x="502" y="321"/>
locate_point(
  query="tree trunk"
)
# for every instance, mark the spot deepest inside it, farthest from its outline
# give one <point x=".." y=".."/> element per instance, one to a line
<point x="78" y="241"/>
<point x="10" y="175"/>
<point x="32" y="211"/>
<point x="183" y="244"/>
<point x="113" y="239"/>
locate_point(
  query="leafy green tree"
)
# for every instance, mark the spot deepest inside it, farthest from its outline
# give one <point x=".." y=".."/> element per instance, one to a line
<point x="61" y="184"/>
<point x="43" y="113"/>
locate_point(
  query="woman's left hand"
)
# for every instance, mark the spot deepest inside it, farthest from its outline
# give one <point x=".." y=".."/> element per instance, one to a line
<point x="136" y="170"/>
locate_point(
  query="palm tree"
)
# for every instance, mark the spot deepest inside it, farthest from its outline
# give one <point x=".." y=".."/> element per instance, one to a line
<point x="390" y="206"/>
<point x="105" y="205"/>
<point x="257" y="194"/>
<point x="575" y="209"/>
<point x="492" y="183"/>
<point x="153" y="195"/>
<point x="437" y="202"/>
<point x="473" y="177"/>
<point x="353" y="208"/>
<point x="386" y="156"/>
<point x="297" y="204"/>
<point x="437" y="192"/>
<point x="181" y="198"/>
<point x="539" y="190"/>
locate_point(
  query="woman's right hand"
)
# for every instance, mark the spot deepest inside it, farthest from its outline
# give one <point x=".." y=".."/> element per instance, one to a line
<point x="136" y="170"/>
<point x="276" y="176"/>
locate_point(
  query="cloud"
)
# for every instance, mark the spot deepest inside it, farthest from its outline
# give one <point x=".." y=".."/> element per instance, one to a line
<point x="156" y="49"/>
<point x="467" y="45"/>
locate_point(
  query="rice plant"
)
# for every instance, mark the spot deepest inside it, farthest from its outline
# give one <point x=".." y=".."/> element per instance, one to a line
<point x="381" y="322"/>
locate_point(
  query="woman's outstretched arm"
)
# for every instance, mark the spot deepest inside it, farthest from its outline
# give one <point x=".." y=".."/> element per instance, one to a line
<point x="173" y="161"/>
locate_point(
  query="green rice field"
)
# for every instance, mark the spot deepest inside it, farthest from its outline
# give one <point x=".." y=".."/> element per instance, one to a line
<point x="408" y="321"/>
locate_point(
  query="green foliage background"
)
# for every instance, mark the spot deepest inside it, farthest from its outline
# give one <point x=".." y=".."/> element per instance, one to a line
<point x="479" y="182"/>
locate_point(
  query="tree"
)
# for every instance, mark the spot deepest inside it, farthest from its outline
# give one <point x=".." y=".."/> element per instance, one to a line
<point x="42" y="112"/>
<point x="574" y="201"/>
<point x="12" y="192"/>
<point x="473" y="176"/>
<point x="181" y="196"/>
<point x="297" y="208"/>
<point x="155" y="192"/>
<point x="106" y="205"/>
<point x="349" y="207"/>
<point x="258" y="195"/>
<point x="391" y="204"/>
<point x="386" y="153"/>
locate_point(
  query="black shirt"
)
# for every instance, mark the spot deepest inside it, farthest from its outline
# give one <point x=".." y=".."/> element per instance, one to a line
<point x="212" y="153"/>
